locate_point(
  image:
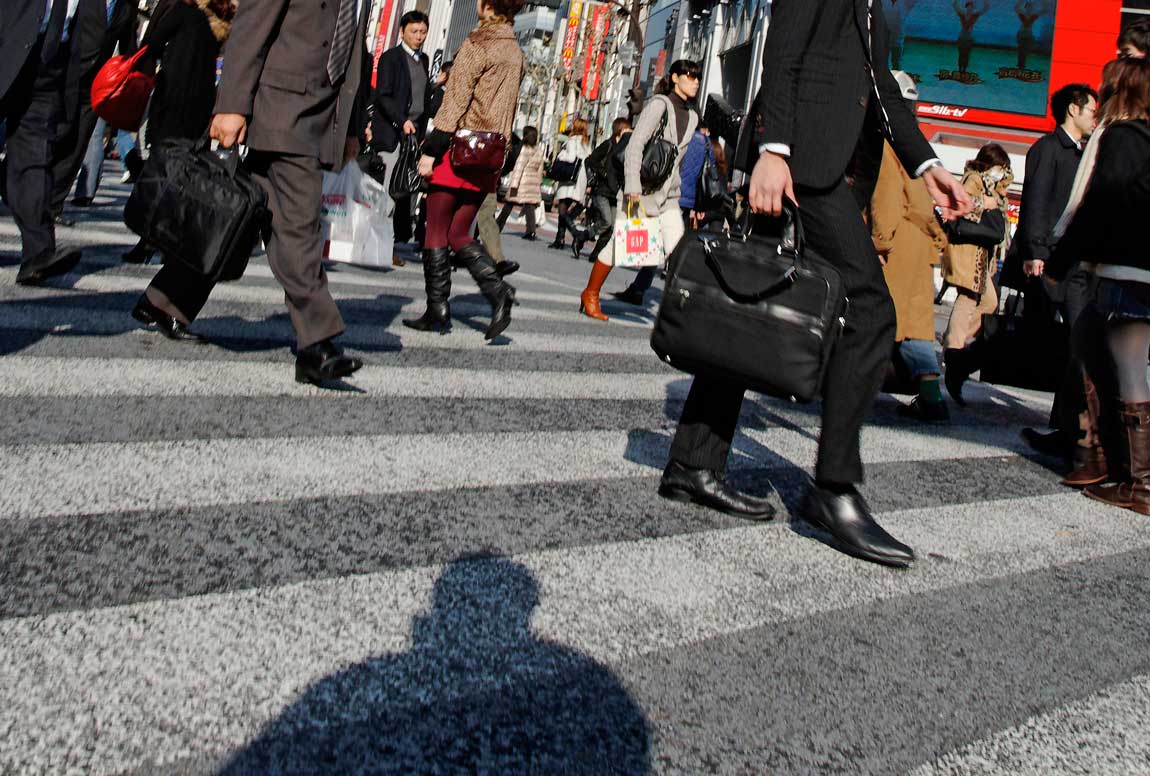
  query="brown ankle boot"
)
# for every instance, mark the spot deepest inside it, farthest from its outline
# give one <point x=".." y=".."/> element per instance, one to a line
<point x="1090" y="466"/>
<point x="589" y="299"/>
<point x="1134" y="492"/>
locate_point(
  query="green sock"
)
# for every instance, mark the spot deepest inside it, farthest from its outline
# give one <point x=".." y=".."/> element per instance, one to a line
<point x="929" y="390"/>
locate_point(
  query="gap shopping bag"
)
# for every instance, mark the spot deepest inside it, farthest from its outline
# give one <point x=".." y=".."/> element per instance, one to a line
<point x="356" y="228"/>
<point x="638" y="241"/>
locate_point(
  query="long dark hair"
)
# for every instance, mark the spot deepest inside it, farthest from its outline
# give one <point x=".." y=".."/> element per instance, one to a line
<point x="666" y="84"/>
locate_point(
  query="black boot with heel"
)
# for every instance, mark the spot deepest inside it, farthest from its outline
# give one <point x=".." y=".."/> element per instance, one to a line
<point x="437" y="283"/>
<point x="498" y="292"/>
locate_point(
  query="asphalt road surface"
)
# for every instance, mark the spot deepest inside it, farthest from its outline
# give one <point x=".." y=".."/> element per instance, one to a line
<point x="457" y="563"/>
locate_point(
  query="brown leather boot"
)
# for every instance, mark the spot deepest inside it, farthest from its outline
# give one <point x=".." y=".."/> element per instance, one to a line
<point x="1134" y="493"/>
<point x="1089" y="458"/>
<point x="589" y="299"/>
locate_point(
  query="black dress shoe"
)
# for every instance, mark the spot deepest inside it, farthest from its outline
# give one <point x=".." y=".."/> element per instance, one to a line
<point x="64" y="221"/>
<point x="82" y="201"/>
<point x="1051" y="443"/>
<point x="847" y="518"/>
<point x="324" y="361"/>
<point x="629" y="296"/>
<point x="530" y="236"/>
<point x="32" y="273"/>
<point x="555" y="245"/>
<point x="139" y="254"/>
<point x="148" y="314"/>
<point x="703" y="486"/>
<point x="925" y="411"/>
<point x="506" y="267"/>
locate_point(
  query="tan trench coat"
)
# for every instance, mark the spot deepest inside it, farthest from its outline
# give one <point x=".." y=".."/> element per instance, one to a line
<point x="908" y="236"/>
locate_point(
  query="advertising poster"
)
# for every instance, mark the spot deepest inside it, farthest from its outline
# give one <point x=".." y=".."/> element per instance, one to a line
<point x="985" y="54"/>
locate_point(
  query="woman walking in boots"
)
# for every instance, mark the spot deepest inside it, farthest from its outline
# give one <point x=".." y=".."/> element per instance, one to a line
<point x="670" y="109"/>
<point x="971" y="269"/>
<point x="481" y="97"/>
<point x="569" y="197"/>
<point x="1108" y="234"/>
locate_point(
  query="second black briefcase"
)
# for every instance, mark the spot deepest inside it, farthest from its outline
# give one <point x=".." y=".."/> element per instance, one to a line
<point x="757" y="309"/>
<point x="198" y="207"/>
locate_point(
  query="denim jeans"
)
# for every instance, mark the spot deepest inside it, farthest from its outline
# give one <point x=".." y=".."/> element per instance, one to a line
<point x="920" y="357"/>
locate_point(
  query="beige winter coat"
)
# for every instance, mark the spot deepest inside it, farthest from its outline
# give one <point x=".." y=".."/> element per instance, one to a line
<point x="524" y="185"/>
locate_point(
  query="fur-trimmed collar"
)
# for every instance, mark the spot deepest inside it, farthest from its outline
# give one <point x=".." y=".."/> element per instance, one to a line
<point x="220" y="27"/>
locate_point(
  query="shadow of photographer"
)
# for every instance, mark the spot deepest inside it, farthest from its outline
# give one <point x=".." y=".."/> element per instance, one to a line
<point x="477" y="692"/>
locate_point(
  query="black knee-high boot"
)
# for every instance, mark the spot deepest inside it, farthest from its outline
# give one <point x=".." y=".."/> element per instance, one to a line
<point x="497" y="291"/>
<point x="437" y="282"/>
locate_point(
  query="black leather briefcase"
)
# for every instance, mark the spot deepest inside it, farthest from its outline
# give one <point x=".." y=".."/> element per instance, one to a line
<point x="198" y="207"/>
<point x="757" y="309"/>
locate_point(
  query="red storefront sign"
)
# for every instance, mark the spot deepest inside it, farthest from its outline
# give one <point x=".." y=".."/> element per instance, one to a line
<point x="591" y="42"/>
<point x="597" y="73"/>
<point x="381" y="36"/>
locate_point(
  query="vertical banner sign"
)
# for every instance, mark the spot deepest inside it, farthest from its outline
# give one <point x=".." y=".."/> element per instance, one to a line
<point x="381" y="36"/>
<point x="600" y="55"/>
<point x="571" y="36"/>
<point x="591" y="43"/>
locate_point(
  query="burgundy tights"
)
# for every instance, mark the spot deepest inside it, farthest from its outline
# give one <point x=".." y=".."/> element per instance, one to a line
<point x="450" y="217"/>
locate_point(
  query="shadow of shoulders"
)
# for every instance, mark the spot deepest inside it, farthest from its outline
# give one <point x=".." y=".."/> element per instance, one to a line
<point x="477" y="692"/>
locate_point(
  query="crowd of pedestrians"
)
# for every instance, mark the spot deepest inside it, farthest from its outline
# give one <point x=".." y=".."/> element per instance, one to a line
<point x="296" y="89"/>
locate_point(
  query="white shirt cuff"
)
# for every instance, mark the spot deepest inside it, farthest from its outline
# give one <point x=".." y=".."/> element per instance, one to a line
<point x="935" y="162"/>
<point x="782" y="149"/>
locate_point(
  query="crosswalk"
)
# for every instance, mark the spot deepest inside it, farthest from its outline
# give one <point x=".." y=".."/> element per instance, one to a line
<point x="456" y="561"/>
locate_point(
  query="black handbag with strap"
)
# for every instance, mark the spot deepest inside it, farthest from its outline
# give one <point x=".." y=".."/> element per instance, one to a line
<point x="986" y="232"/>
<point x="659" y="157"/>
<point x="711" y="188"/>
<point x="1023" y="345"/>
<point x="565" y="172"/>
<point x="198" y="207"/>
<point x="761" y="310"/>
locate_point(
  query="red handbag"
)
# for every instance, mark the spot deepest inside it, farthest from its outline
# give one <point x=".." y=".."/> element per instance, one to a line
<point x="121" y="90"/>
<point x="478" y="150"/>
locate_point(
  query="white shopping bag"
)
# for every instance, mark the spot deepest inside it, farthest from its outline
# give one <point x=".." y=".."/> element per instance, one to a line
<point x="638" y="241"/>
<point x="355" y="216"/>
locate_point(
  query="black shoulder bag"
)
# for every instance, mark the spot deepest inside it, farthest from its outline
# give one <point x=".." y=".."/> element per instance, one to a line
<point x="659" y="156"/>
<point x="987" y="232"/>
<point x="759" y="310"/>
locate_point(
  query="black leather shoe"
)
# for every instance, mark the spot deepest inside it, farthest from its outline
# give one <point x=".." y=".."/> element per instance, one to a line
<point x="555" y="245"/>
<point x="65" y="221"/>
<point x="1051" y="443"/>
<point x="530" y="236"/>
<point x="148" y="314"/>
<point x="324" y="361"/>
<point x="82" y="201"/>
<point x="703" y="486"/>
<point x="578" y="239"/>
<point x="847" y="518"/>
<point x="925" y="411"/>
<point x="35" y="272"/>
<point x="628" y="296"/>
<point x="139" y="254"/>
<point x="506" y="267"/>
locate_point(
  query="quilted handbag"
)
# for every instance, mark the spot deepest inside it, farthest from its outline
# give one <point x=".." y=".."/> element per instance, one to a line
<point x="478" y="150"/>
<point x="760" y="310"/>
<point x="121" y="90"/>
<point x="199" y="207"/>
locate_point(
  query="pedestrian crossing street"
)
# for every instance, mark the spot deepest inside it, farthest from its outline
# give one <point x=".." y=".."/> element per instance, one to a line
<point x="456" y="562"/>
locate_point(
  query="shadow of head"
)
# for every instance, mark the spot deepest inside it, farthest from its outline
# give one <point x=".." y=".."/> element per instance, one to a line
<point x="476" y="692"/>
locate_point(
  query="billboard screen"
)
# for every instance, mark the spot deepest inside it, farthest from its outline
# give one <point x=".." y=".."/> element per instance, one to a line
<point x="992" y="55"/>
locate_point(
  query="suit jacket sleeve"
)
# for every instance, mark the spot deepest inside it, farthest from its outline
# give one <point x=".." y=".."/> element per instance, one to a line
<point x="388" y="104"/>
<point x="906" y="138"/>
<point x="252" y="28"/>
<point x="127" y="42"/>
<point x="1037" y="217"/>
<point x="792" y="24"/>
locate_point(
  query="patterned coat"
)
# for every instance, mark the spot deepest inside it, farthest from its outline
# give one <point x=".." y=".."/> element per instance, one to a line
<point x="969" y="266"/>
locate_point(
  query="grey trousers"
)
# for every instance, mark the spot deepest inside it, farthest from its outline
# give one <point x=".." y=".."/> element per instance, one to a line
<point x="488" y="228"/>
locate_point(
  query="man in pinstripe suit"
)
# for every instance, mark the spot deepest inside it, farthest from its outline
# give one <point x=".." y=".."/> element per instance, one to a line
<point x="826" y="89"/>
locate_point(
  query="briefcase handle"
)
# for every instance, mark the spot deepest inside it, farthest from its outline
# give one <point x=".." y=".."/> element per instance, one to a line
<point x="230" y="157"/>
<point x="791" y="242"/>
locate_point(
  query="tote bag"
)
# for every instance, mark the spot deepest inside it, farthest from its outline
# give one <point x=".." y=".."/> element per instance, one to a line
<point x="637" y="242"/>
